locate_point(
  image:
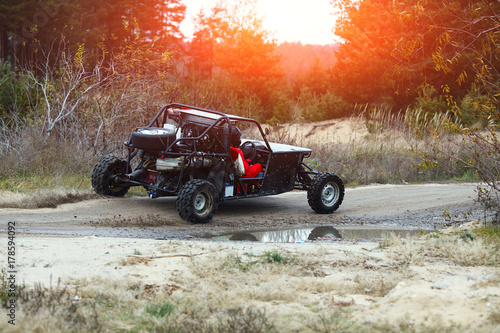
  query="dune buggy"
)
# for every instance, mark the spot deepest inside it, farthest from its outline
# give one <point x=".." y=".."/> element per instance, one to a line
<point x="196" y="154"/>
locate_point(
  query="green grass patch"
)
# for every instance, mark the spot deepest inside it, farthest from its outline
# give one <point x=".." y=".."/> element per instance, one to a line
<point x="159" y="310"/>
<point x="28" y="182"/>
<point x="277" y="257"/>
<point x="490" y="233"/>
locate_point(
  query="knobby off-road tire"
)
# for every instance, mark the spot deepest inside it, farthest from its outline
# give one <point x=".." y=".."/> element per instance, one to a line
<point x="197" y="201"/>
<point x="326" y="193"/>
<point x="103" y="176"/>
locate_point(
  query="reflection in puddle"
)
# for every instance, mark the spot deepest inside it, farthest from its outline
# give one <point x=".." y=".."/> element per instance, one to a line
<point x="318" y="233"/>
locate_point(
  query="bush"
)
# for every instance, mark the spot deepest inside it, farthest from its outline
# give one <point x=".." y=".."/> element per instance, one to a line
<point x="282" y="111"/>
<point x="54" y="309"/>
<point x="335" y="106"/>
<point x="430" y="102"/>
<point x="322" y="107"/>
<point x="17" y="98"/>
<point x="473" y="148"/>
<point x="31" y="160"/>
<point x="471" y="108"/>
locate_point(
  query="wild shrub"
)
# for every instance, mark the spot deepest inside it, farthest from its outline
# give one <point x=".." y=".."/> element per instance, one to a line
<point x="31" y="160"/>
<point x="18" y="99"/>
<point x="318" y="107"/>
<point x="239" y="319"/>
<point x="39" y="303"/>
<point x="430" y="102"/>
<point x="471" y="148"/>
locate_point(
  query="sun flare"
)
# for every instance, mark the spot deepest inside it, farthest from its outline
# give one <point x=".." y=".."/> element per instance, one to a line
<point x="287" y="20"/>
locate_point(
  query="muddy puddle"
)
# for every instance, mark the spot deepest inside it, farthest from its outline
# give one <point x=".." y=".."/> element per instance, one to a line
<point x="298" y="235"/>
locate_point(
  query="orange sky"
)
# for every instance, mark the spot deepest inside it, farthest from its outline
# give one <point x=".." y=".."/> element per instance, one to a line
<point x="305" y="21"/>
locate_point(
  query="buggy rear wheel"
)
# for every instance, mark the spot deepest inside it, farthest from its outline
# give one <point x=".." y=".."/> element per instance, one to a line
<point x="197" y="201"/>
<point x="104" y="176"/>
<point x="326" y="193"/>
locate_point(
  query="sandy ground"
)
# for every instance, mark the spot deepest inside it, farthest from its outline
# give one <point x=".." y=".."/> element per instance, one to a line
<point x="312" y="133"/>
<point x="432" y="294"/>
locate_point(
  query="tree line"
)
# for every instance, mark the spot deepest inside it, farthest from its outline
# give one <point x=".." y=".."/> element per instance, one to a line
<point x="411" y="53"/>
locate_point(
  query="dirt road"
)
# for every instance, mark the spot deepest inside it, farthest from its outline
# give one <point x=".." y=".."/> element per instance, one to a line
<point x="436" y="284"/>
<point x="419" y="206"/>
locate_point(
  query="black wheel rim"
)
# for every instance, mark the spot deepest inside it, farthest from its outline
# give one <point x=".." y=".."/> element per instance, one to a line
<point x="113" y="187"/>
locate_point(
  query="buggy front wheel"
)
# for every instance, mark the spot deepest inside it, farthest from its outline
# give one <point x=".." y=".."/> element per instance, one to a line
<point x="326" y="193"/>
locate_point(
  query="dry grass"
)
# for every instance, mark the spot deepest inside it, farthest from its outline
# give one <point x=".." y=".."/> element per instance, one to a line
<point x="30" y="150"/>
<point x="459" y="248"/>
<point x="53" y="309"/>
<point x="380" y="144"/>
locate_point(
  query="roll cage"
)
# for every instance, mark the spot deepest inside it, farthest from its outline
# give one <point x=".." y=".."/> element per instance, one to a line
<point x="203" y="134"/>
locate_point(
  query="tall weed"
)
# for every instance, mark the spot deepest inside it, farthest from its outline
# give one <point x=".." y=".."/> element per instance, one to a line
<point x="31" y="160"/>
<point x="390" y="152"/>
